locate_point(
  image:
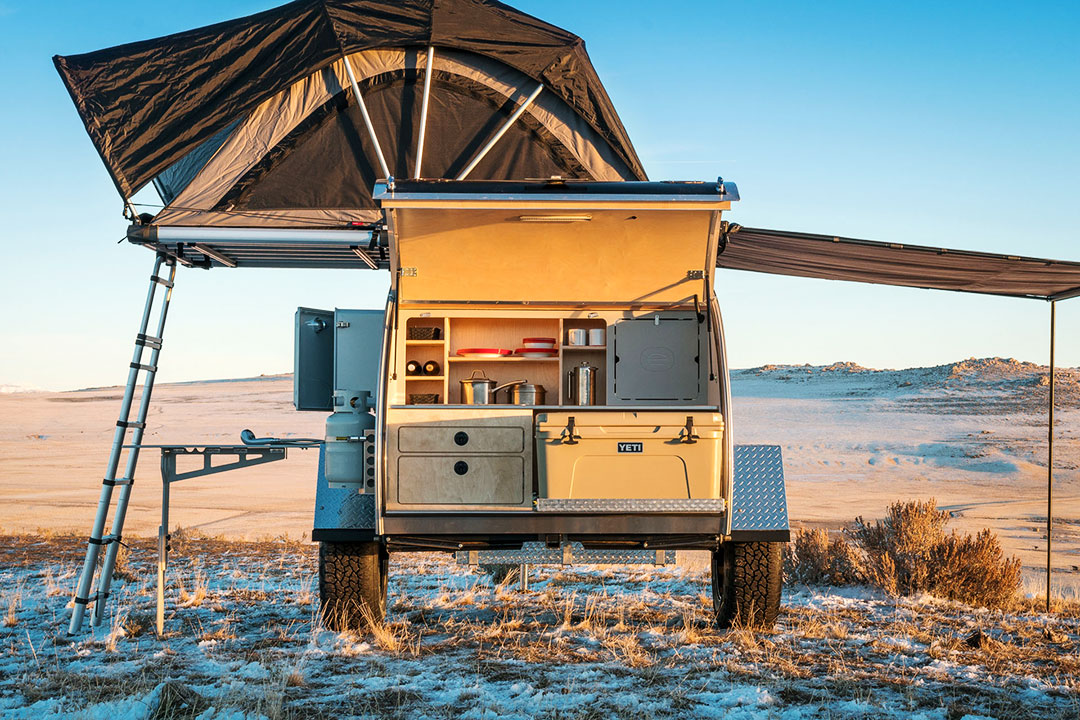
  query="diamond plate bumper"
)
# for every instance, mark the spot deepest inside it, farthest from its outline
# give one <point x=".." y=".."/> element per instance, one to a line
<point x="537" y="553"/>
<point x="614" y="505"/>
<point x="758" y="498"/>
<point x="341" y="508"/>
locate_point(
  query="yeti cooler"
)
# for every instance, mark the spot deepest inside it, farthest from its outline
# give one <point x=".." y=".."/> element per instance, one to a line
<point x="663" y="455"/>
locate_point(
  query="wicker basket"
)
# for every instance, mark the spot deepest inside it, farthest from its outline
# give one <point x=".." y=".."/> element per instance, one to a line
<point x="423" y="333"/>
<point x="424" y="399"/>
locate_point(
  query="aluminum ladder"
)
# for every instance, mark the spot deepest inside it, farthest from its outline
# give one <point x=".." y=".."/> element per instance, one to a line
<point x="112" y="541"/>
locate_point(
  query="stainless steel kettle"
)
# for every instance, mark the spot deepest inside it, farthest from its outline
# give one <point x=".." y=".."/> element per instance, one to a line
<point x="581" y="384"/>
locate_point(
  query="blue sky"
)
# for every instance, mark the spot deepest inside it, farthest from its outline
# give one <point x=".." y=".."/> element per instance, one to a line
<point x="953" y="124"/>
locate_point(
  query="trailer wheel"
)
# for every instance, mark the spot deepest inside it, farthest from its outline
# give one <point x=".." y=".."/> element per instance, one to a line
<point x="746" y="582"/>
<point x="352" y="584"/>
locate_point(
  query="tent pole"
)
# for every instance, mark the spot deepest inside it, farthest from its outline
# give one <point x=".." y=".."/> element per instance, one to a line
<point x="423" y="111"/>
<point x="502" y="131"/>
<point x="367" y="118"/>
<point x="1050" y="456"/>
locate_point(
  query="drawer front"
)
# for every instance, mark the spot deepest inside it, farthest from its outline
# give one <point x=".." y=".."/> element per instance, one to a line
<point x="461" y="480"/>
<point x="459" y="438"/>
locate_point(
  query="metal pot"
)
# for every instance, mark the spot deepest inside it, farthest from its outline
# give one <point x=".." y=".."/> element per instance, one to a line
<point x="481" y="390"/>
<point x="526" y="393"/>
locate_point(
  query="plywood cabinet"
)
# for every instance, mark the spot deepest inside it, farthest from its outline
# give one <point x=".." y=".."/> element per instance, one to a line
<point x="443" y="455"/>
<point x="426" y="480"/>
<point x="444" y="458"/>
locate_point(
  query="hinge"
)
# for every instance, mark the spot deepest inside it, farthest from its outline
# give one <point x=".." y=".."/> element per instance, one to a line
<point x="342" y="324"/>
<point x="695" y="274"/>
<point x="407" y="272"/>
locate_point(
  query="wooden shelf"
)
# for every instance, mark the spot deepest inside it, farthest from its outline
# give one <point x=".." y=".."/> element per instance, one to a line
<point x="457" y="359"/>
<point x="579" y="348"/>
<point x="424" y="342"/>
<point x="435" y="378"/>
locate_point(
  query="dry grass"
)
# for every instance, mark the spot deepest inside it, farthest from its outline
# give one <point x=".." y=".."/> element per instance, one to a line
<point x="12" y="599"/>
<point x="198" y="592"/>
<point x="394" y="638"/>
<point x="906" y="553"/>
<point x="225" y="631"/>
<point x="595" y="643"/>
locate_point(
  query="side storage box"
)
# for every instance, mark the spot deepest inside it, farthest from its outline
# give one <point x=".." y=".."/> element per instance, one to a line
<point x="623" y="455"/>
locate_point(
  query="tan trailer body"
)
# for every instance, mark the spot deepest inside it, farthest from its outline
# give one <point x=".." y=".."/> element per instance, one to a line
<point x="489" y="271"/>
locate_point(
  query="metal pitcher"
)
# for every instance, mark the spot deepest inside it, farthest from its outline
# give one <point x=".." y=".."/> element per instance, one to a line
<point x="581" y="384"/>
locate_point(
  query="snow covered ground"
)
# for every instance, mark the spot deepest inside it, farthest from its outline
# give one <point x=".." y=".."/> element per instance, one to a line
<point x="244" y="641"/>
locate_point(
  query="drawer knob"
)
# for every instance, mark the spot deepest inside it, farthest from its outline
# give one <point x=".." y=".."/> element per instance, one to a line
<point x="461" y="438"/>
<point x="461" y="467"/>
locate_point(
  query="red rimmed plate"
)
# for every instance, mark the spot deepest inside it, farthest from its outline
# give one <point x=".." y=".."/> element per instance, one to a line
<point x="531" y="352"/>
<point x="484" y="352"/>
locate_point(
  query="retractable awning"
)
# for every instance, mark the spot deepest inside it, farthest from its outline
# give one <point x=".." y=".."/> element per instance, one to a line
<point x="827" y="257"/>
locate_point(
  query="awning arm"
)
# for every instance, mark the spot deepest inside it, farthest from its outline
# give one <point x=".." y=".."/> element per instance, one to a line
<point x="1066" y="295"/>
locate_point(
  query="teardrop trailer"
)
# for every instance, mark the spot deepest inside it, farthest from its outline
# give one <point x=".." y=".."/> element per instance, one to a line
<point x="526" y="224"/>
<point x="634" y="470"/>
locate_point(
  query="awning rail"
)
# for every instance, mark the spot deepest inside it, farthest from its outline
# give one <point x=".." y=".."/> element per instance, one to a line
<point x="211" y="247"/>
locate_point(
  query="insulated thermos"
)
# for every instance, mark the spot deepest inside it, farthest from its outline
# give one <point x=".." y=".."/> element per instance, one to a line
<point x="581" y="384"/>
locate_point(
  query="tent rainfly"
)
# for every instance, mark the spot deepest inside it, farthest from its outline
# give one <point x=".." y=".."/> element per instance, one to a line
<point x="288" y="117"/>
<point x="264" y="137"/>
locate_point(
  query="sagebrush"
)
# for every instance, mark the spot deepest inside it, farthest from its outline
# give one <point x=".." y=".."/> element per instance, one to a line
<point x="907" y="552"/>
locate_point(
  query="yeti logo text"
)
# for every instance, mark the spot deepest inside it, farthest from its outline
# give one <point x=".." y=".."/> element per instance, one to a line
<point x="628" y="447"/>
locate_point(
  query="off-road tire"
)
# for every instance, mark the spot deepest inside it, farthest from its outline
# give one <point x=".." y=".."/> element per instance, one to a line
<point x="746" y="582"/>
<point x="352" y="584"/>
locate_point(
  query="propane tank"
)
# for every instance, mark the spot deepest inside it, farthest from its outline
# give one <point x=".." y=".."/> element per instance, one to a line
<point x="346" y="446"/>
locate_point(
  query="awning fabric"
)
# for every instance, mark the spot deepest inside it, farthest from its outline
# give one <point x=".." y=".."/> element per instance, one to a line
<point x="253" y="121"/>
<point x="835" y="258"/>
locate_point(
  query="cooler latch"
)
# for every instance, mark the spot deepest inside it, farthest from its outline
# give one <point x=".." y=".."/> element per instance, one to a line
<point x="570" y="437"/>
<point x="688" y="435"/>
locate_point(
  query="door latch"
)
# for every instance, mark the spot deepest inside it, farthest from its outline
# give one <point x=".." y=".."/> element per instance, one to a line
<point x="695" y="274"/>
<point x="407" y="272"/>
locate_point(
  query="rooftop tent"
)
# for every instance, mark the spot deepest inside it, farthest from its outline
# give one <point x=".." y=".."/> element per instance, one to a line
<point x="255" y="122"/>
